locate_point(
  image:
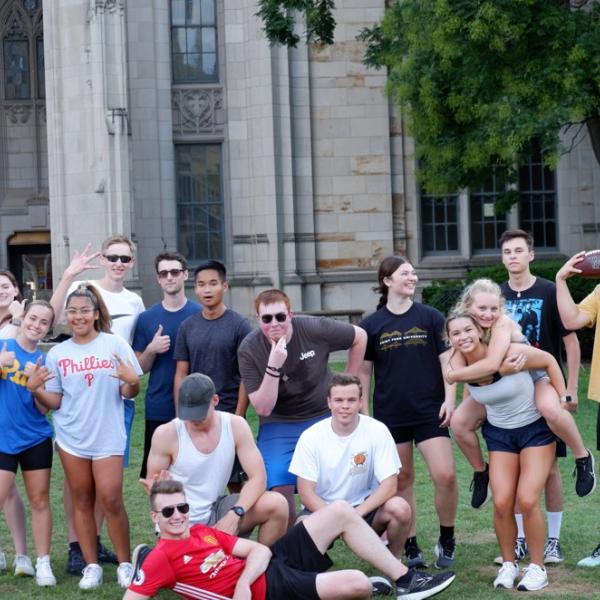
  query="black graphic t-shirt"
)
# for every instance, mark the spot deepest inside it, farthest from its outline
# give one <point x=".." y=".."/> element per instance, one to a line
<point x="536" y="312"/>
<point x="405" y="350"/>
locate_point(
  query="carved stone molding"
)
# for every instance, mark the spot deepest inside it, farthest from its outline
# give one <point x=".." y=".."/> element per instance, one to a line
<point x="20" y="112"/>
<point x="197" y="110"/>
<point x="109" y="6"/>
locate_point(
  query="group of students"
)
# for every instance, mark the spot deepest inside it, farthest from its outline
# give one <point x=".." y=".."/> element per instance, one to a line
<point x="282" y="369"/>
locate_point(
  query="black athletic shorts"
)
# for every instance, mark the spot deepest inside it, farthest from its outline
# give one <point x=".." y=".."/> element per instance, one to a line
<point x="292" y="572"/>
<point x="419" y="433"/>
<point x="32" y="459"/>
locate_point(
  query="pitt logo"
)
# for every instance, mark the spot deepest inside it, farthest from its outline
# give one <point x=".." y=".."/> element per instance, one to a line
<point x="305" y="355"/>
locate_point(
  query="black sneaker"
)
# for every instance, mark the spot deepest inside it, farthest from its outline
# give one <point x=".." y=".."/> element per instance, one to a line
<point x="138" y="557"/>
<point x="75" y="561"/>
<point x="521" y="549"/>
<point x="381" y="586"/>
<point x="444" y="553"/>
<point x="586" y="478"/>
<point x="423" y="585"/>
<point x="480" y="486"/>
<point x="414" y="557"/>
<point x="106" y="556"/>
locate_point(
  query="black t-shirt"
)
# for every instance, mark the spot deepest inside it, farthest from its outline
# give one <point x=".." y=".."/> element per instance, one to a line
<point x="535" y="310"/>
<point x="405" y="350"/>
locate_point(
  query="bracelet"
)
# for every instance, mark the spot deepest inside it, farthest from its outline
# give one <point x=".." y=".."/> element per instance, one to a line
<point x="273" y="375"/>
<point x="273" y="368"/>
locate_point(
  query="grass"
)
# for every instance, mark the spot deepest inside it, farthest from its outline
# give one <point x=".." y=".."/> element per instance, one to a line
<point x="476" y="544"/>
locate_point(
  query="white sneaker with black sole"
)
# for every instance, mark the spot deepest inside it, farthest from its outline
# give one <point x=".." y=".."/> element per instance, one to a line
<point x="507" y="574"/>
<point x="534" y="578"/>
<point x="423" y="585"/>
<point x="92" y="577"/>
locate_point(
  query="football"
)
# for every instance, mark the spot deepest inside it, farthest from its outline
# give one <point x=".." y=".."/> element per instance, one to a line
<point x="589" y="264"/>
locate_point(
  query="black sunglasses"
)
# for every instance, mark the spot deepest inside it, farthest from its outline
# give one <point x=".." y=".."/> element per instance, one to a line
<point x="279" y="317"/>
<point x="115" y="257"/>
<point x="171" y="272"/>
<point x="167" y="511"/>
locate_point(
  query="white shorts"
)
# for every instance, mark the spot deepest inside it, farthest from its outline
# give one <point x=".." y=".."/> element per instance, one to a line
<point x="68" y="450"/>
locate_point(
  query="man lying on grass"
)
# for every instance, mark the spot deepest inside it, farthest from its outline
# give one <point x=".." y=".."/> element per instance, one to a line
<point x="202" y="562"/>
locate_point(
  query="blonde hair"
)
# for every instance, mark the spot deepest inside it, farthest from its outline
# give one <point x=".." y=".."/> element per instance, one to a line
<point x="486" y="286"/>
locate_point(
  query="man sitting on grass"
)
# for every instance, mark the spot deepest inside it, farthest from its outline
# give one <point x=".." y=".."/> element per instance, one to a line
<point x="352" y="457"/>
<point x="202" y="562"/>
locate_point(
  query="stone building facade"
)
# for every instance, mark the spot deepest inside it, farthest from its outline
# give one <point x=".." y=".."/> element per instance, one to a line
<point x="175" y="122"/>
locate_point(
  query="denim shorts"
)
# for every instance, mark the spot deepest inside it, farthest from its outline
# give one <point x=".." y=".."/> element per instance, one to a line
<point x="499" y="439"/>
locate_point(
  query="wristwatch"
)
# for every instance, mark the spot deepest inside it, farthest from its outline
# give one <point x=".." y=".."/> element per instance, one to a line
<point x="239" y="511"/>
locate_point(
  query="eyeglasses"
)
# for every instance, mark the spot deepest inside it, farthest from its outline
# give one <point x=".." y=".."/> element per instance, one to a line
<point x="167" y="511"/>
<point x="84" y="312"/>
<point x="279" y="317"/>
<point x="172" y="272"/>
<point x="115" y="257"/>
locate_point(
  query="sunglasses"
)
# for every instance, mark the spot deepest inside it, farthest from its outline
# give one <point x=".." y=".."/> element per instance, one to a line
<point x="279" y="317"/>
<point x="167" y="511"/>
<point x="113" y="258"/>
<point x="172" y="272"/>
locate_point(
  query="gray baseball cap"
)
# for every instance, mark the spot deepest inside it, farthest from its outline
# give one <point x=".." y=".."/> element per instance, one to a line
<point x="195" y="394"/>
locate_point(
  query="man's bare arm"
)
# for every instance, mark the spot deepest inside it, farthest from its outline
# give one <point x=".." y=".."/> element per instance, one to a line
<point x="307" y="490"/>
<point x="181" y="370"/>
<point x="356" y="352"/>
<point x="379" y="496"/>
<point x="257" y="558"/>
<point x="163" y="448"/>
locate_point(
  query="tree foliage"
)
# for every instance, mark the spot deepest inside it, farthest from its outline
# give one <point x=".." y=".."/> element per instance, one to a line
<point x="479" y="80"/>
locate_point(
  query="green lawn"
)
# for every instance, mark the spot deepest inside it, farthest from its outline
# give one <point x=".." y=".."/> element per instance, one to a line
<point x="475" y="550"/>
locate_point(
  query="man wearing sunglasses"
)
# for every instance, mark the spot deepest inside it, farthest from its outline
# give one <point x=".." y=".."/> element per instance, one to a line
<point x="199" y="448"/>
<point x="154" y="342"/>
<point x="284" y="366"/>
<point x="124" y="306"/>
<point x="200" y="562"/>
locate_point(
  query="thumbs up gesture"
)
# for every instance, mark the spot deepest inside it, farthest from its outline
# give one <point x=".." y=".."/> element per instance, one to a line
<point x="7" y="358"/>
<point x="160" y="343"/>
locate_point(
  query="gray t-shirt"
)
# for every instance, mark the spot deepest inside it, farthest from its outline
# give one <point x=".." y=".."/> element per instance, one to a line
<point x="305" y="374"/>
<point x="210" y="346"/>
<point x="509" y="401"/>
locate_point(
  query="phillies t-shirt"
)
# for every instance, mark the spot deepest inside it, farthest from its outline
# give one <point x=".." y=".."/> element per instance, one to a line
<point x="200" y="566"/>
<point x="90" y="418"/>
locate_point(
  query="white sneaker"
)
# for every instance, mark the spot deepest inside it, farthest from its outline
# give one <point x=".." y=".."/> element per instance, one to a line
<point x="506" y="575"/>
<point x="43" y="572"/>
<point x="534" y="578"/>
<point x="124" y="574"/>
<point x="23" y="566"/>
<point x="92" y="577"/>
<point x="2" y="561"/>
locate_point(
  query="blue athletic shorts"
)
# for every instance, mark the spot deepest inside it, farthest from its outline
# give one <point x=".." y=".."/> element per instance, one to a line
<point x="277" y="442"/>
<point x="129" y="414"/>
<point x="499" y="439"/>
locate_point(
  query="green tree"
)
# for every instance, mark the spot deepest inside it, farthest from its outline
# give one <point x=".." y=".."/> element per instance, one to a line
<point x="479" y="80"/>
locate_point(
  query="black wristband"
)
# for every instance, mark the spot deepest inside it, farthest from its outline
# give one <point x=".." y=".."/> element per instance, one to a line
<point x="273" y="368"/>
<point x="273" y="374"/>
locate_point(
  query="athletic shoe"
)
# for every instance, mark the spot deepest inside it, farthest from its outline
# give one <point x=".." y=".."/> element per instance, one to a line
<point x="75" y="561"/>
<point x="521" y="551"/>
<point x="586" y="478"/>
<point x="106" y="556"/>
<point x="591" y="561"/>
<point x="480" y="486"/>
<point x="3" y="564"/>
<point x="124" y="574"/>
<point x="506" y="575"/>
<point x="534" y="578"/>
<point x="23" y="566"/>
<point x="444" y="554"/>
<point x="139" y="555"/>
<point x="92" y="577"/>
<point x="381" y="586"/>
<point x="414" y="558"/>
<point x="43" y="572"/>
<point x="553" y="552"/>
<point x="423" y="585"/>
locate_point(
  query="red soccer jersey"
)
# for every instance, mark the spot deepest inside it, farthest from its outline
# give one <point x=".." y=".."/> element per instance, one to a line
<point x="201" y="566"/>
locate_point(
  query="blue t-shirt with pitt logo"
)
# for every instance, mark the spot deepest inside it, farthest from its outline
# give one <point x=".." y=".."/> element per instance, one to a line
<point x="22" y="424"/>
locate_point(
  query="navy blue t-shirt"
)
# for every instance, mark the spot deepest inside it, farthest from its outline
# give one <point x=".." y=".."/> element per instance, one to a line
<point x="405" y="349"/>
<point x="159" y="395"/>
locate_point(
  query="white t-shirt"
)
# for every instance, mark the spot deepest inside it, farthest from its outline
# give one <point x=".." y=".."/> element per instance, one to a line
<point x="90" y="418"/>
<point x="346" y="468"/>
<point x="124" y="308"/>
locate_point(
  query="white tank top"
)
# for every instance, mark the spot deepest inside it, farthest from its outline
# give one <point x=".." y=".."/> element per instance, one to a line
<point x="204" y="476"/>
